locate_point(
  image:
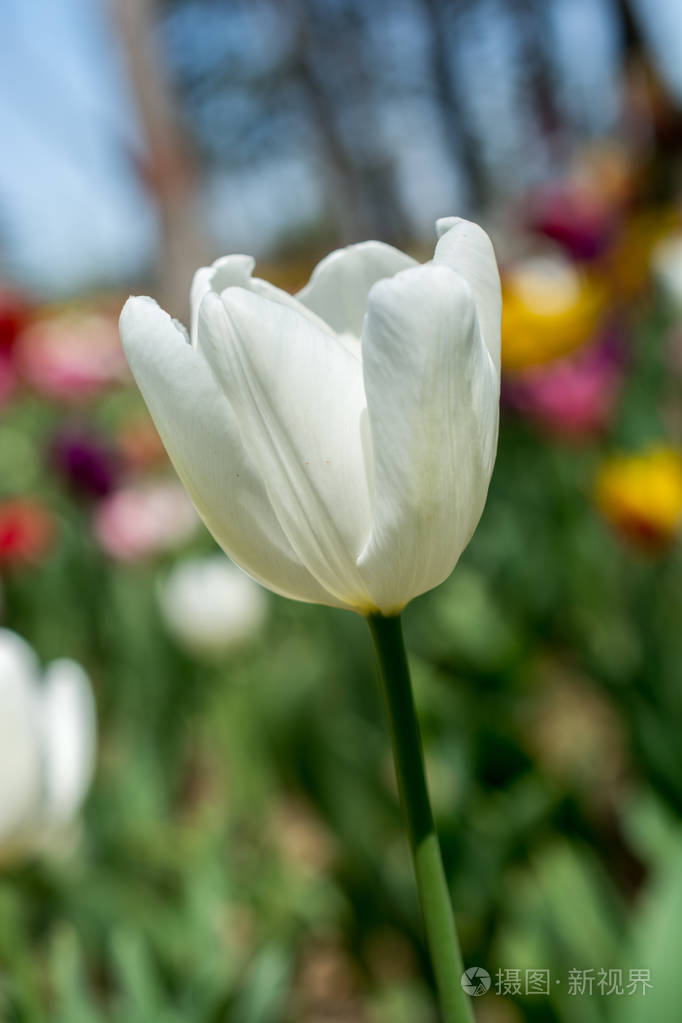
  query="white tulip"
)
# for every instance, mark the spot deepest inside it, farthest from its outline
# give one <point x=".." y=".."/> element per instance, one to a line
<point x="338" y="444"/>
<point x="210" y="606"/>
<point x="666" y="266"/>
<point x="47" y="748"/>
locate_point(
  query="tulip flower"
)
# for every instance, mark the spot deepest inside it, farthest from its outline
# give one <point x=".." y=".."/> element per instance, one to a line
<point x="577" y="218"/>
<point x="47" y="749"/>
<point x="339" y="445"/>
<point x="666" y="266"/>
<point x="574" y="397"/>
<point x="71" y="357"/>
<point x="8" y="378"/>
<point x="583" y="210"/>
<point x="87" y="463"/>
<point x="641" y="495"/>
<point x="629" y="260"/>
<point x="26" y="531"/>
<point x="550" y="309"/>
<point x="14" y="315"/>
<point x="15" y="312"/>
<point x="141" y="520"/>
<point x="210" y="606"/>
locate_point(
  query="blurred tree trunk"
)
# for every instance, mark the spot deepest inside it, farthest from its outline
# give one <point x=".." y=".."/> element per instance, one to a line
<point x="451" y="100"/>
<point x="633" y="42"/>
<point x="167" y="168"/>
<point x="653" y="116"/>
<point x="332" y="71"/>
<point x="531" y="19"/>
<point x="343" y="181"/>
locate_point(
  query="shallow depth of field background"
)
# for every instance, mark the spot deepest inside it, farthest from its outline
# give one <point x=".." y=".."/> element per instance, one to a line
<point x="241" y="854"/>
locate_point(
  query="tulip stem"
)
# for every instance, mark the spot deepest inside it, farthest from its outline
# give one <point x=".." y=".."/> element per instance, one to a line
<point x="432" y="886"/>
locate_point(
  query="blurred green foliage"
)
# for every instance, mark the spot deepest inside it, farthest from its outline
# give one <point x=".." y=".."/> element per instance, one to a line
<point x="242" y="856"/>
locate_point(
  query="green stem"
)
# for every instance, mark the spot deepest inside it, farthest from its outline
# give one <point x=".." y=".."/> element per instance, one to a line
<point x="428" y="865"/>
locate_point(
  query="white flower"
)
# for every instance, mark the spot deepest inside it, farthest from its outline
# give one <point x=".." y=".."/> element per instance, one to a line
<point x="210" y="605"/>
<point x="666" y="266"/>
<point x="338" y="444"/>
<point x="549" y="285"/>
<point x="47" y="748"/>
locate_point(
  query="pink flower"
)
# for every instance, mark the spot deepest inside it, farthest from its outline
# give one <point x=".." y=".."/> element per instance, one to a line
<point x="575" y="396"/>
<point x="137" y="522"/>
<point x="70" y="356"/>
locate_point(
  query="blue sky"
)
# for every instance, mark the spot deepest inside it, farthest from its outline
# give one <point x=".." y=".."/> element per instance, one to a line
<point x="71" y="212"/>
<point x="69" y="209"/>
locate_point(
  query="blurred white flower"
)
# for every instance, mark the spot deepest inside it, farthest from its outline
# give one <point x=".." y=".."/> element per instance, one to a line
<point x="338" y="444"/>
<point x="547" y="284"/>
<point x="666" y="266"/>
<point x="47" y="748"/>
<point x="210" y="606"/>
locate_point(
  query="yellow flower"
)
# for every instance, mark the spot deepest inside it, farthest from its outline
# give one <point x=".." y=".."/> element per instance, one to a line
<point x="629" y="260"/>
<point x="548" y="310"/>
<point x="641" y="495"/>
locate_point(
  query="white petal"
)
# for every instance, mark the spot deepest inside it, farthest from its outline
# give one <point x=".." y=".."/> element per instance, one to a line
<point x="199" y="430"/>
<point x="224" y="273"/>
<point x="432" y="399"/>
<point x="339" y="285"/>
<point x="466" y="248"/>
<point x="299" y="401"/>
<point x="69" y="736"/>
<point x="236" y="271"/>
<point x="20" y="754"/>
<point x="17" y="658"/>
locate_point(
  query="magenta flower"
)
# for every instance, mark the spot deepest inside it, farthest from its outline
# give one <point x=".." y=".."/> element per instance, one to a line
<point x="573" y="397"/>
<point x="87" y="464"/>
<point x="578" y="220"/>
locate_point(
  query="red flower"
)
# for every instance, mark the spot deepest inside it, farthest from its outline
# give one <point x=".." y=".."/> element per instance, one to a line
<point x="26" y="531"/>
<point x="14" y="315"/>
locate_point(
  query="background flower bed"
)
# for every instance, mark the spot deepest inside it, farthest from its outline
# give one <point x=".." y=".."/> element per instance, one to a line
<point x="241" y="855"/>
